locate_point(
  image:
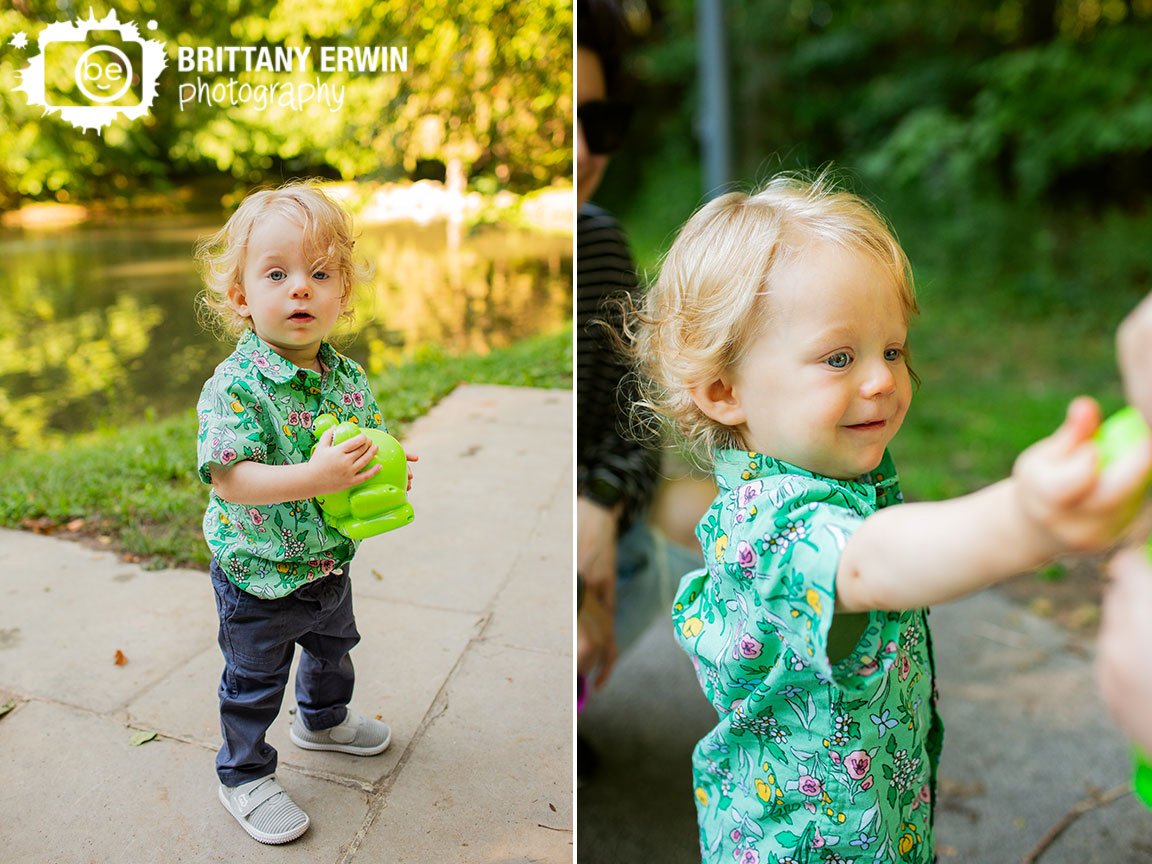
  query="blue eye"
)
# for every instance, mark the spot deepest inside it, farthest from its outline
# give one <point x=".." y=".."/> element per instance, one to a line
<point x="277" y="275"/>
<point x="839" y="360"/>
<point x="893" y="354"/>
<point x="320" y="275"/>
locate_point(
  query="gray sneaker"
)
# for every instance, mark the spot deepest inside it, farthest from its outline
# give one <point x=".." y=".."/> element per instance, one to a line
<point x="358" y="735"/>
<point x="264" y="810"/>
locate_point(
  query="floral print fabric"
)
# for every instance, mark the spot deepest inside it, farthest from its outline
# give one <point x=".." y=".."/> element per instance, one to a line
<point x="261" y="407"/>
<point x="814" y="759"/>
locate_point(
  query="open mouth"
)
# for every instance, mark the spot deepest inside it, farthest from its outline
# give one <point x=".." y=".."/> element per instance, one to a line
<point x="301" y="317"/>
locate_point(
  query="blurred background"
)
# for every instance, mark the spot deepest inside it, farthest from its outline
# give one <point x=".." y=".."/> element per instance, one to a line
<point x="458" y="171"/>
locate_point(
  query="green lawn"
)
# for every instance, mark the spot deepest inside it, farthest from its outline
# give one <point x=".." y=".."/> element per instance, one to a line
<point x="136" y="490"/>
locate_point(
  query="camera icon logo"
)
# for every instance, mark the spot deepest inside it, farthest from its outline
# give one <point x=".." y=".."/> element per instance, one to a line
<point x="92" y="71"/>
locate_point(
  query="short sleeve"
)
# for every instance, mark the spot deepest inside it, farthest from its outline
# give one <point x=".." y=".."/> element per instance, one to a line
<point x="787" y="540"/>
<point x="231" y="426"/>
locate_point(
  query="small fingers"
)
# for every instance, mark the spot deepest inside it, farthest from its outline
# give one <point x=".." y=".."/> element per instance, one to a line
<point x="411" y="457"/>
<point x="1127" y="477"/>
<point x="1080" y="422"/>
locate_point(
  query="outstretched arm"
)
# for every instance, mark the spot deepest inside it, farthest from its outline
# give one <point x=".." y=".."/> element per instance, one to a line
<point x="1057" y="500"/>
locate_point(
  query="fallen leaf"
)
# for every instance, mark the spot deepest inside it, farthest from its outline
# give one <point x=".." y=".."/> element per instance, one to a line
<point x="120" y="659"/>
<point x="379" y="716"/>
<point x="141" y="737"/>
<point x="552" y="807"/>
<point x="75" y="525"/>
<point x="378" y="574"/>
<point x="7" y="706"/>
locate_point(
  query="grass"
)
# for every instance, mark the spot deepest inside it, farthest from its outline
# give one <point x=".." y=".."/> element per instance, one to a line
<point x="135" y="489"/>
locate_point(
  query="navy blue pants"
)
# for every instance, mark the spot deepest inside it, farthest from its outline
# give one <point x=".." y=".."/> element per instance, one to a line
<point x="258" y="639"/>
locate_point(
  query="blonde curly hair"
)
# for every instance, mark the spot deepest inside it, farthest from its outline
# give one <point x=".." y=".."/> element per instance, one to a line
<point x="710" y="301"/>
<point x="328" y="239"/>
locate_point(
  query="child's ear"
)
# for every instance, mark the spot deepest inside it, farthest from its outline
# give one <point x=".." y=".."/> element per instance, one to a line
<point x="718" y="400"/>
<point x="239" y="300"/>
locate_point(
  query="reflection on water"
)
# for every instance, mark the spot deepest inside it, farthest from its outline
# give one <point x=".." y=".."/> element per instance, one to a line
<point x="98" y="322"/>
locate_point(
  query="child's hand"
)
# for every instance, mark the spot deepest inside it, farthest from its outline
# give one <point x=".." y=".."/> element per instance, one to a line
<point x="1132" y="341"/>
<point x="341" y="466"/>
<point x="1063" y="493"/>
<point x="411" y="457"/>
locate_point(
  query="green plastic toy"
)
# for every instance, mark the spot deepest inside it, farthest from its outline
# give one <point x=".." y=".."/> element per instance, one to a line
<point x="378" y="504"/>
<point x="1119" y="433"/>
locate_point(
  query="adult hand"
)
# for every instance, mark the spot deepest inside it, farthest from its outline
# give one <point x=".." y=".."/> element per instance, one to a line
<point x="595" y="641"/>
<point x="1125" y="643"/>
<point x="596" y="563"/>
<point x="1132" y="341"/>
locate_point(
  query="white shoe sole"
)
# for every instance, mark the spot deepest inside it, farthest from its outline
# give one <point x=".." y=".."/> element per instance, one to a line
<point x="256" y="834"/>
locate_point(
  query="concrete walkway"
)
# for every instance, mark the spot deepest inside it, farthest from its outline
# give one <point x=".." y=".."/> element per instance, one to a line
<point x="1026" y="740"/>
<point x="466" y="623"/>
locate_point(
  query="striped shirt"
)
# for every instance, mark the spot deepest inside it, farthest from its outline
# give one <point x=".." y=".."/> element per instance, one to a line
<point x="604" y="390"/>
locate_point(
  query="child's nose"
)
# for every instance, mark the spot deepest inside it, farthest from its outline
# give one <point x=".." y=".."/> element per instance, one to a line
<point x="301" y="286"/>
<point x="879" y="380"/>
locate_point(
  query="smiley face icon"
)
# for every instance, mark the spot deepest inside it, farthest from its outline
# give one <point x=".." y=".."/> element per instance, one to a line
<point x="104" y="73"/>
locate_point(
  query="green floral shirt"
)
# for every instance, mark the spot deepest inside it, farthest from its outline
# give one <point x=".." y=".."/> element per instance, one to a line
<point x="813" y="759"/>
<point x="259" y="406"/>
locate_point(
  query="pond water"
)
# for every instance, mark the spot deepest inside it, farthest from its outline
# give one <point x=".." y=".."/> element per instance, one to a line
<point x="98" y="322"/>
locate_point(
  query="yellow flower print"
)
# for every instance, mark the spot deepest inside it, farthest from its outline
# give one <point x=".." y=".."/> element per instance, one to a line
<point x="905" y="844"/>
<point x="224" y="520"/>
<point x="236" y="406"/>
<point x="763" y="790"/>
<point x="813" y="599"/>
<point x="721" y="545"/>
<point x="691" y="627"/>
<point x="377" y="418"/>
<point x="701" y="796"/>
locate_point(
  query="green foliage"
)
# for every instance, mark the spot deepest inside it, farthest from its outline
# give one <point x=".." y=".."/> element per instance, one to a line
<point x="137" y="486"/>
<point x="487" y="92"/>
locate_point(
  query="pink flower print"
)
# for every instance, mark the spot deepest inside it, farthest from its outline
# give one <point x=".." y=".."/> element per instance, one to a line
<point x="750" y="647"/>
<point x="818" y="841"/>
<point x="890" y="647"/>
<point x="735" y="835"/>
<point x="834" y="756"/>
<point x="749" y="492"/>
<point x="257" y="516"/>
<point x="260" y="360"/>
<point x="227" y="455"/>
<point x="809" y="806"/>
<point x="867" y="784"/>
<point x="346" y="399"/>
<point x="747" y="856"/>
<point x="857" y="762"/>
<point x="745" y="555"/>
<point x="925" y="793"/>
<point x="905" y="666"/>
<point x="293" y="418"/>
<point x="810" y="786"/>
<point x="306" y="419"/>
<point x="358" y="399"/>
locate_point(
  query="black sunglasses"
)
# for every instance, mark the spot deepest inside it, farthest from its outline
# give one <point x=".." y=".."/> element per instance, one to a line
<point x="605" y="124"/>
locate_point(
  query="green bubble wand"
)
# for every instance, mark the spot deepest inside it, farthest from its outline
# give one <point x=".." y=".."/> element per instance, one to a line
<point x="1116" y="436"/>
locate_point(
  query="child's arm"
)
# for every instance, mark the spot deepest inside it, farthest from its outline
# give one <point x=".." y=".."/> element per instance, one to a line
<point x="332" y="468"/>
<point x="1056" y="501"/>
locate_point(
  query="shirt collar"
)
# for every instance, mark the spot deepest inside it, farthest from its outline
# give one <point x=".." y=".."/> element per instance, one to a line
<point x="274" y="367"/>
<point x="735" y="467"/>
